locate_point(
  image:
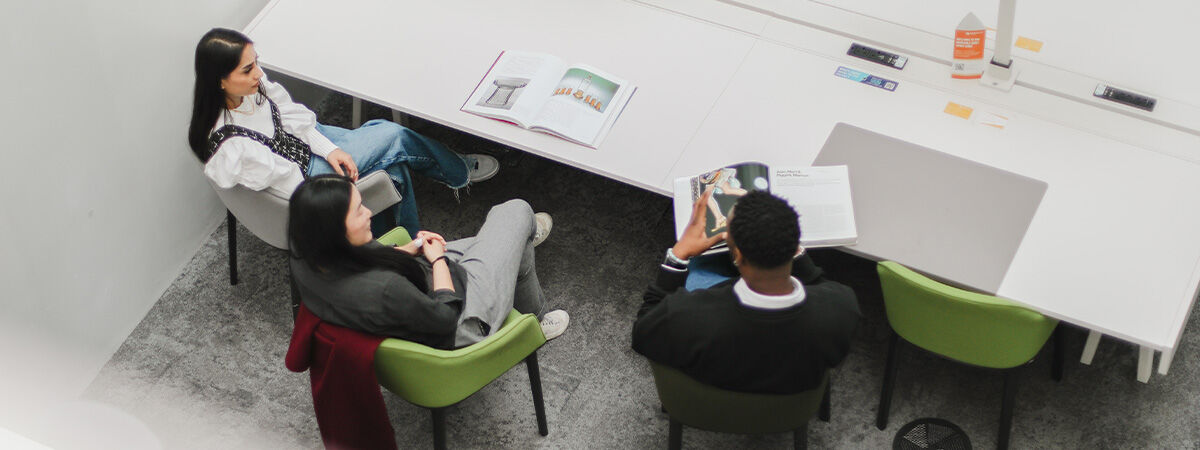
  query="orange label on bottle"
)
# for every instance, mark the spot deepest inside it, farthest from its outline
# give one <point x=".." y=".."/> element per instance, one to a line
<point x="968" y="44"/>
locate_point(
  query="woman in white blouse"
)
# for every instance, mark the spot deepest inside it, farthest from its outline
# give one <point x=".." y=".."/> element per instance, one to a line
<point x="248" y="131"/>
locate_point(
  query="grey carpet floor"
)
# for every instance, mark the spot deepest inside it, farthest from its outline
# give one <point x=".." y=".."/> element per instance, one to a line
<point x="205" y="369"/>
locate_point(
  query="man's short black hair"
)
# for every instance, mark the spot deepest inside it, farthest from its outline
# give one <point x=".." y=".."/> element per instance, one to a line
<point x="765" y="229"/>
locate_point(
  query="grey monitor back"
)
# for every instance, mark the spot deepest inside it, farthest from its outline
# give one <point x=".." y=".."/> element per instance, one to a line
<point x="940" y="214"/>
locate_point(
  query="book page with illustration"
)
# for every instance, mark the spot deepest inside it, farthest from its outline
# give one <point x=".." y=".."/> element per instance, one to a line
<point x="516" y="87"/>
<point x="540" y="92"/>
<point x="583" y="105"/>
<point x="727" y="183"/>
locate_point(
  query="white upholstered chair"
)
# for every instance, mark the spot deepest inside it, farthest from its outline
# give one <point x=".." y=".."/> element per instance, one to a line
<point x="265" y="213"/>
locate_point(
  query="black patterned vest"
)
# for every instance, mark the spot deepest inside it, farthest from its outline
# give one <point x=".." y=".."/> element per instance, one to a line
<point x="283" y="144"/>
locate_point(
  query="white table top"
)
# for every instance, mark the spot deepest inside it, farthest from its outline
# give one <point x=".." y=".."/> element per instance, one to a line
<point x="1110" y="207"/>
<point x="425" y="58"/>
<point x="1122" y="192"/>
<point x="1080" y="50"/>
<point x="1134" y="44"/>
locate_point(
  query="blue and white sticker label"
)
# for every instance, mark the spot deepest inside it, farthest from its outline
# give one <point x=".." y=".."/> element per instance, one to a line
<point x="865" y="78"/>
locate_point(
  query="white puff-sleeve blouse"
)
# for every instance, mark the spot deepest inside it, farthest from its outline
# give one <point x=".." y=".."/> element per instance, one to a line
<point x="244" y="161"/>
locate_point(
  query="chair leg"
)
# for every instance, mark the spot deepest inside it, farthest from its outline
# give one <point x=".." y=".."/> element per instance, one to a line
<point x="889" y="380"/>
<point x="675" y="440"/>
<point x="823" y="413"/>
<point x="439" y="428"/>
<point x="1011" y="379"/>
<point x="535" y="384"/>
<point x="800" y="437"/>
<point x="1056" y="368"/>
<point x="295" y="295"/>
<point x="231" y="230"/>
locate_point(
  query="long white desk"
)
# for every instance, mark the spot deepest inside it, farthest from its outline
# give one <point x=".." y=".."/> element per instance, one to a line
<point x="1110" y="207"/>
<point x="1133" y="44"/>
<point x="425" y="59"/>
<point x="1082" y="47"/>
<point x="716" y="77"/>
<point x="1045" y="92"/>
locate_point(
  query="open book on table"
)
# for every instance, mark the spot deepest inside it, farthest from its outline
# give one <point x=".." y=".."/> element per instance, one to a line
<point x="820" y="195"/>
<point x="542" y="93"/>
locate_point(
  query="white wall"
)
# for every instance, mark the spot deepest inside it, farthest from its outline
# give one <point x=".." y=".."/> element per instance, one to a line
<point x="102" y="202"/>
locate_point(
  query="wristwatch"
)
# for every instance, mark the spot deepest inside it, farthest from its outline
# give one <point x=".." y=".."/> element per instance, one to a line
<point x="674" y="262"/>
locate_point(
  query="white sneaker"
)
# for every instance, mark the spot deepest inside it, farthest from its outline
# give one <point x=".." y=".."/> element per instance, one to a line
<point x="544" y="224"/>
<point x="482" y="167"/>
<point x="554" y="323"/>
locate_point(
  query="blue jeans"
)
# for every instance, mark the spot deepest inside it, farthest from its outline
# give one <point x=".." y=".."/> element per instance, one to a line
<point x="384" y="145"/>
<point x="706" y="271"/>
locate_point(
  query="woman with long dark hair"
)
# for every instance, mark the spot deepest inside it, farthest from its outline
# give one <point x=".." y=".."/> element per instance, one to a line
<point x="441" y="294"/>
<point x="248" y="131"/>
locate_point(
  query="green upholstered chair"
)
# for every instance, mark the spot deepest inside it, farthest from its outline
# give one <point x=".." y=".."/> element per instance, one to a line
<point x="698" y="405"/>
<point x="434" y="379"/>
<point x="975" y="329"/>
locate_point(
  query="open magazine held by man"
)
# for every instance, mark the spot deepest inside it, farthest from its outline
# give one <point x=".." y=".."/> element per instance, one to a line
<point x="820" y="195"/>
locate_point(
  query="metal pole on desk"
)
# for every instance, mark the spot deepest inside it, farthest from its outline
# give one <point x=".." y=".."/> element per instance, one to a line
<point x="1000" y="73"/>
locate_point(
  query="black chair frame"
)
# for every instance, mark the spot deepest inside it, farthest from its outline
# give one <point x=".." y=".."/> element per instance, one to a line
<point x="1011" y="381"/>
<point x="535" y="385"/>
<point x="231" y="231"/>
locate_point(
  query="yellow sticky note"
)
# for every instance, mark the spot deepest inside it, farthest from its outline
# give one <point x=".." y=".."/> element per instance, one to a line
<point x="958" y="110"/>
<point x="1032" y="45"/>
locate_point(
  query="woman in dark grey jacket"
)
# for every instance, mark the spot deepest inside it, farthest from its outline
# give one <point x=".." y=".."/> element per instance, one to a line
<point x="441" y="294"/>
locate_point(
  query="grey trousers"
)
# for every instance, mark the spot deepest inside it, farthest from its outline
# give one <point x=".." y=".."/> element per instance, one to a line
<point x="500" y="271"/>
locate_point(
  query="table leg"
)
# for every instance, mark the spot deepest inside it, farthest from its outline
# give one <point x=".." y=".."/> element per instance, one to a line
<point x="1164" y="361"/>
<point x="355" y="113"/>
<point x="1145" y="363"/>
<point x="1089" y="347"/>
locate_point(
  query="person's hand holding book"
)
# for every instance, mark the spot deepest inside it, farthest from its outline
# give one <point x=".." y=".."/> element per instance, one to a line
<point x="694" y="241"/>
